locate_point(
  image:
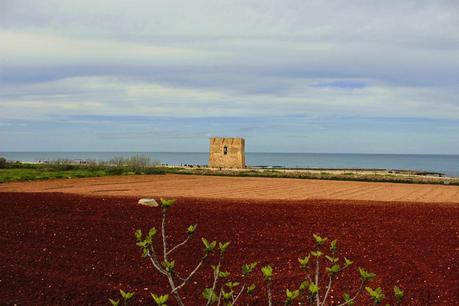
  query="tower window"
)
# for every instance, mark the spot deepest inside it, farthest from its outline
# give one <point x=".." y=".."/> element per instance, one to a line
<point x="225" y="150"/>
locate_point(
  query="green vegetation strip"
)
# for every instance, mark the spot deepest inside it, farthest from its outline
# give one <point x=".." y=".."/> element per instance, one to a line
<point x="16" y="171"/>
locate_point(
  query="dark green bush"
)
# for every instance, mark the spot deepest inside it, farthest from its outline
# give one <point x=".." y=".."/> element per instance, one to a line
<point x="3" y="163"/>
<point x="115" y="171"/>
<point x="154" y="171"/>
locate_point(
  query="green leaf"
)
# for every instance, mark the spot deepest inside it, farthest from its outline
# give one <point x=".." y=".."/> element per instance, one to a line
<point x="333" y="269"/>
<point x="267" y="273"/>
<point x="313" y="288"/>
<point x="223" y="246"/>
<point x="142" y="244"/>
<point x="250" y="289"/>
<point x="191" y="229"/>
<point x="114" y="302"/>
<point x="248" y="268"/>
<point x="376" y="295"/>
<point x="347" y="262"/>
<point x="232" y="285"/>
<point x="227" y="295"/>
<point x="304" y="285"/>
<point x="319" y="240"/>
<point x="317" y="253"/>
<point x="291" y="295"/>
<point x="215" y="267"/>
<point x="347" y="298"/>
<point x="398" y="293"/>
<point x="166" y="203"/>
<point x="208" y="293"/>
<point x="365" y="275"/>
<point x="209" y="246"/>
<point x="333" y="246"/>
<point x="152" y="232"/>
<point x="160" y="300"/>
<point x="126" y="295"/>
<point x="223" y="274"/>
<point x="332" y="259"/>
<point x="304" y="261"/>
<point x="169" y="265"/>
<point x="138" y="234"/>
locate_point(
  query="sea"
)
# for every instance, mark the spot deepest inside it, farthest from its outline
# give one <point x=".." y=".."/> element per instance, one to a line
<point x="445" y="164"/>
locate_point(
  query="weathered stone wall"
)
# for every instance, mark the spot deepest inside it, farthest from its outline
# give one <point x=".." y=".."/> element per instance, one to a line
<point x="234" y="149"/>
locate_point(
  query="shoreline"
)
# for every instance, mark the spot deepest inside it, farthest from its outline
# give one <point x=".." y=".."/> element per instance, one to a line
<point x="435" y="164"/>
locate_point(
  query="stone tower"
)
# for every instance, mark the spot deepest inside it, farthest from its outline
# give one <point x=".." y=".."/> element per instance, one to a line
<point x="227" y="153"/>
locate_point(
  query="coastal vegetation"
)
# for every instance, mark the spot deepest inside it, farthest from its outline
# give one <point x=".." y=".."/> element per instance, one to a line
<point x="62" y="168"/>
<point x="363" y="175"/>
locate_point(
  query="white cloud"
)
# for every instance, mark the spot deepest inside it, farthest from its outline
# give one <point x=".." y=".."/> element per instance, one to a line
<point x="127" y="97"/>
<point x="220" y="58"/>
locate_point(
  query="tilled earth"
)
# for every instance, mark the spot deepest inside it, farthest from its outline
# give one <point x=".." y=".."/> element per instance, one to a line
<point x="64" y="249"/>
<point x="241" y="188"/>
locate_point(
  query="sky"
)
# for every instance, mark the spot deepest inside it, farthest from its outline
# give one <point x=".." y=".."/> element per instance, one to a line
<point x="348" y="76"/>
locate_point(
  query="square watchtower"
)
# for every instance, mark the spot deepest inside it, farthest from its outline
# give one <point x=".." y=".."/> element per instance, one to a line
<point x="227" y="153"/>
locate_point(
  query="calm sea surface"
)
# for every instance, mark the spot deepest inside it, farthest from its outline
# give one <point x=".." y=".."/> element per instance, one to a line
<point x="447" y="164"/>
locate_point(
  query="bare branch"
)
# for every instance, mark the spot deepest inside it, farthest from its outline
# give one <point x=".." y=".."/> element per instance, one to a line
<point x="157" y="265"/>
<point x="216" y="273"/>
<point x="191" y="274"/>
<point x="179" y="245"/>
<point x="270" y="299"/>
<point x="238" y="295"/>
<point x="174" y="289"/>
<point x="355" y="296"/>
<point x="219" y="297"/>
<point x="328" y="289"/>
<point x="154" y="260"/>
<point x="163" y="233"/>
<point x="317" y="281"/>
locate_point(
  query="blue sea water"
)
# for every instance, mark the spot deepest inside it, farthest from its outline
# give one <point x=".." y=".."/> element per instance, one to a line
<point x="446" y="164"/>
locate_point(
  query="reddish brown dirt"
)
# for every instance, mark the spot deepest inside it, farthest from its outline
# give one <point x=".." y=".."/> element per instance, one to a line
<point x="219" y="187"/>
<point x="58" y="249"/>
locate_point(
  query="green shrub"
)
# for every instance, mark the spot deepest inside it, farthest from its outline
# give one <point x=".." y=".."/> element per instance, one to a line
<point x="62" y="165"/>
<point x="115" y="171"/>
<point x="3" y="163"/>
<point x="154" y="171"/>
<point x="322" y="260"/>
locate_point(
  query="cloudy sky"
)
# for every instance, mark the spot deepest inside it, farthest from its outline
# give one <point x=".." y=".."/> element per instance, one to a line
<point x="289" y="76"/>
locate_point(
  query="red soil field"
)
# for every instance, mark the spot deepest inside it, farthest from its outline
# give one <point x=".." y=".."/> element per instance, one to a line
<point x="71" y="249"/>
<point x="241" y="188"/>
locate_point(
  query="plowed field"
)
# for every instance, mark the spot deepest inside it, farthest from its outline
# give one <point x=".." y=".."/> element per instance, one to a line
<point x="242" y="188"/>
<point x="69" y="249"/>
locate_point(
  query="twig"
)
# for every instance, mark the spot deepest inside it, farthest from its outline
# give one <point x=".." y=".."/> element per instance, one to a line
<point x="156" y="265"/>
<point x="238" y="295"/>
<point x="216" y="273"/>
<point x="219" y="297"/>
<point x="317" y="280"/>
<point x="355" y="296"/>
<point x="179" y="245"/>
<point x="163" y="233"/>
<point x="270" y="302"/>
<point x="328" y="289"/>
<point x="175" y="289"/>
